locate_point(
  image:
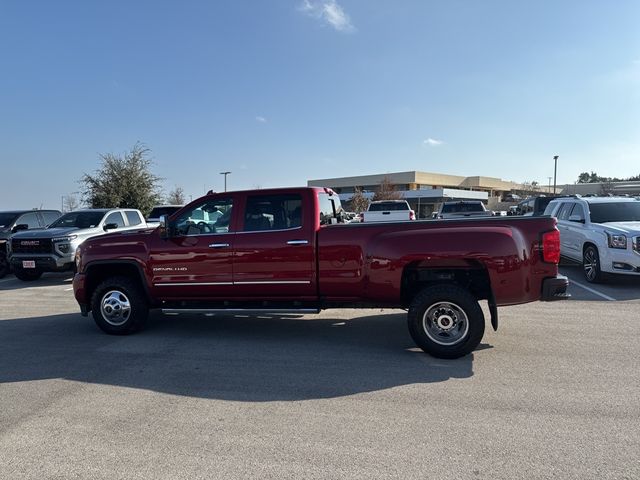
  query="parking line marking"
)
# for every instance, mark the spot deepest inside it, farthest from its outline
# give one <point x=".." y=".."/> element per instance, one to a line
<point x="595" y="292"/>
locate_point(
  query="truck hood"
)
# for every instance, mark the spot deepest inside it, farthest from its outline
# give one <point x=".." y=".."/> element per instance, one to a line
<point x="52" y="232"/>
<point x="632" y="228"/>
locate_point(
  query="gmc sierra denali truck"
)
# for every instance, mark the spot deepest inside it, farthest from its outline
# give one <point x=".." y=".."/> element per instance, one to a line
<point x="287" y="250"/>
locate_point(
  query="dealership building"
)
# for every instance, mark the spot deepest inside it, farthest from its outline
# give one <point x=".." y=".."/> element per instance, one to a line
<point x="423" y="190"/>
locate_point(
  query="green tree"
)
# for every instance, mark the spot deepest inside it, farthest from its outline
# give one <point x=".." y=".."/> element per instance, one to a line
<point x="176" y="196"/>
<point x="123" y="181"/>
<point x="359" y="203"/>
<point x="387" y="191"/>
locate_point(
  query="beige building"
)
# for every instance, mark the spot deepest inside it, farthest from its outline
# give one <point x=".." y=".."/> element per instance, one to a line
<point x="423" y="190"/>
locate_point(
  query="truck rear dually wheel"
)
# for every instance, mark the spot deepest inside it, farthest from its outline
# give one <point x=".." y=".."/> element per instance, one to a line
<point x="119" y="307"/>
<point x="446" y="321"/>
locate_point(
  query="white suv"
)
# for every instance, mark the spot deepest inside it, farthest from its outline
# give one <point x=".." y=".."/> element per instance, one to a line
<point x="601" y="232"/>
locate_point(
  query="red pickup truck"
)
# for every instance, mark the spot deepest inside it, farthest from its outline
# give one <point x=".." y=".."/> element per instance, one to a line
<point x="287" y="250"/>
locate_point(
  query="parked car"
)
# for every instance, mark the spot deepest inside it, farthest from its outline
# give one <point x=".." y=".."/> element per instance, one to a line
<point x="511" y="197"/>
<point x="603" y="233"/>
<point x="16" y="220"/>
<point x="31" y="253"/>
<point x="287" y="250"/>
<point x="156" y="212"/>
<point x="534" y="206"/>
<point x="462" y="209"/>
<point x="388" y="211"/>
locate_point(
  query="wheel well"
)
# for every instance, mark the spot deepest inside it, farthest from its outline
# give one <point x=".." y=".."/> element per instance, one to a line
<point x="473" y="277"/>
<point x="98" y="273"/>
<point x="589" y="244"/>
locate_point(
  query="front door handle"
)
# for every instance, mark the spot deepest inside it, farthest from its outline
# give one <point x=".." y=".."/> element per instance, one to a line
<point x="298" y="242"/>
<point x="218" y="245"/>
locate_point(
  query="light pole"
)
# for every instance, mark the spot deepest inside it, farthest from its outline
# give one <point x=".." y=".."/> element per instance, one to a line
<point x="225" y="179"/>
<point x="549" y="189"/>
<point x="555" y="170"/>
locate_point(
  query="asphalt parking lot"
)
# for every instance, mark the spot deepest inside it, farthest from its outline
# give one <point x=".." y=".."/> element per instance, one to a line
<point x="555" y="393"/>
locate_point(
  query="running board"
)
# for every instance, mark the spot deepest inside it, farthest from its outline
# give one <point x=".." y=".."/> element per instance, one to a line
<point x="238" y="311"/>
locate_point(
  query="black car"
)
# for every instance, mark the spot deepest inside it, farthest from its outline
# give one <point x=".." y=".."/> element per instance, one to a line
<point x="534" y="206"/>
<point x="16" y="220"/>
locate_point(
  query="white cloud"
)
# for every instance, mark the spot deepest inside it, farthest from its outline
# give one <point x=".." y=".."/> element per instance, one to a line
<point x="261" y="119"/>
<point x="329" y="12"/>
<point x="433" y="142"/>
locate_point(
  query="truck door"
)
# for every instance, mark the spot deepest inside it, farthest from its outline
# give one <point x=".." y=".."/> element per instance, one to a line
<point x="196" y="260"/>
<point x="275" y="248"/>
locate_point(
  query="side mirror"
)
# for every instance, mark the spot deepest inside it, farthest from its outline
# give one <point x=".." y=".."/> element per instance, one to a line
<point x="163" y="228"/>
<point x="110" y="226"/>
<point x="576" y="218"/>
<point x="21" y="226"/>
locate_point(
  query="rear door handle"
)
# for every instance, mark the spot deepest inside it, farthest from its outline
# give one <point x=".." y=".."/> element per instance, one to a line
<point x="298" y="242"/>
<point x="218" y="245"/>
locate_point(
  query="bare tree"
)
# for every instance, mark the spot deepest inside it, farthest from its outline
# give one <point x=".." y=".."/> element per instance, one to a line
<point x="176" y="196"/>
<point x="71" y="202"/>
<point x="359" y="203"/>
<point x="387" y="191"/>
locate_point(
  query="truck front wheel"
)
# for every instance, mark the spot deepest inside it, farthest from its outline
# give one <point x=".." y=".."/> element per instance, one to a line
<point x="119" y="307"/>
<point x="446" y="321"/>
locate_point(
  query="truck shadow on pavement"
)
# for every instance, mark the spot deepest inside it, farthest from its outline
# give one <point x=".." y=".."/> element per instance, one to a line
<point x="254" y="359"/>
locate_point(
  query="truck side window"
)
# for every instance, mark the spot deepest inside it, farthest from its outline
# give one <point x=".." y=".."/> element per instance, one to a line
<point x="273" y="212"/>
<point x="565" y="209"/>
<point x="210" y="216"/>
<point x="49" y="217"/>
<point x="579" y="211"/>
<point x="330" y="209"/>
<point x="115" y="217"/>
<point x="30" y="219"/>
<point x="133" y="218"/>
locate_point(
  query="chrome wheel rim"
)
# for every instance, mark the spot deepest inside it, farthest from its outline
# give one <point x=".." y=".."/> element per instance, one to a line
<point x="590" y="264"/>
<point x="445" y="323"/>
<point x="115" y="308"/>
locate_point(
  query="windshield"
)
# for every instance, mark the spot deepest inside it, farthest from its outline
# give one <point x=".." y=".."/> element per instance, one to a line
<point x="462" y="207"/>
<point x="385" y="206"/>
<point x="615" y="212"/>
<point x="6" y="219"/>
<point x="78" y="220"/>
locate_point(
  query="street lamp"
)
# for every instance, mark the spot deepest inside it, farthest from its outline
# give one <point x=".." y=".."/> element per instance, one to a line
<point x="555" y="170"/>
<point x="225" y="179"/>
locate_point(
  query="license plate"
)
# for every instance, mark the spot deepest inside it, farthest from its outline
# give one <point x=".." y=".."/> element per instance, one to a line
<point x="28" y="264"/>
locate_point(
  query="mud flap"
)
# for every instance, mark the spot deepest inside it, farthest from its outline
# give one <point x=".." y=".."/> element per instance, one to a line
<point x="493" y="309"/>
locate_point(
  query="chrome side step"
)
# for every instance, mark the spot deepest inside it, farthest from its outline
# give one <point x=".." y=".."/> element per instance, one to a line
<point x="237" y="311"/>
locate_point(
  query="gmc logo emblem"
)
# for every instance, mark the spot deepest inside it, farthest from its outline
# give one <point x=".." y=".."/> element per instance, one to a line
<point x="30" y="243"/>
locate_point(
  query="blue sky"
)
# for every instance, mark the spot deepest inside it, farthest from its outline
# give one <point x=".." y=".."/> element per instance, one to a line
<point x="282" y="91"/>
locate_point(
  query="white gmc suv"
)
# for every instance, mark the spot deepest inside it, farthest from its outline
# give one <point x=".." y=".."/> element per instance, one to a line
<point x="601" y="232"/>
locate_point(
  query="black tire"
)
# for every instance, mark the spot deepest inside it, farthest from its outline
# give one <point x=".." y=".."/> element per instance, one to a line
<point x="591" y="265"/>
<point x="27" y="275"/>
<point x="4" y="265"/>
<point x="119" y="307"/>
<point x="446" y="321"/>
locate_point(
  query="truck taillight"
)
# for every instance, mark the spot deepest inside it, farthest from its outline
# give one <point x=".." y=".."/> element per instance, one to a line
<point x="551" y="246"/>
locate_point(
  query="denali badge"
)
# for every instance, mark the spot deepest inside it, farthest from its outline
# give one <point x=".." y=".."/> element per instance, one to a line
<point x="28" y="243"/>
